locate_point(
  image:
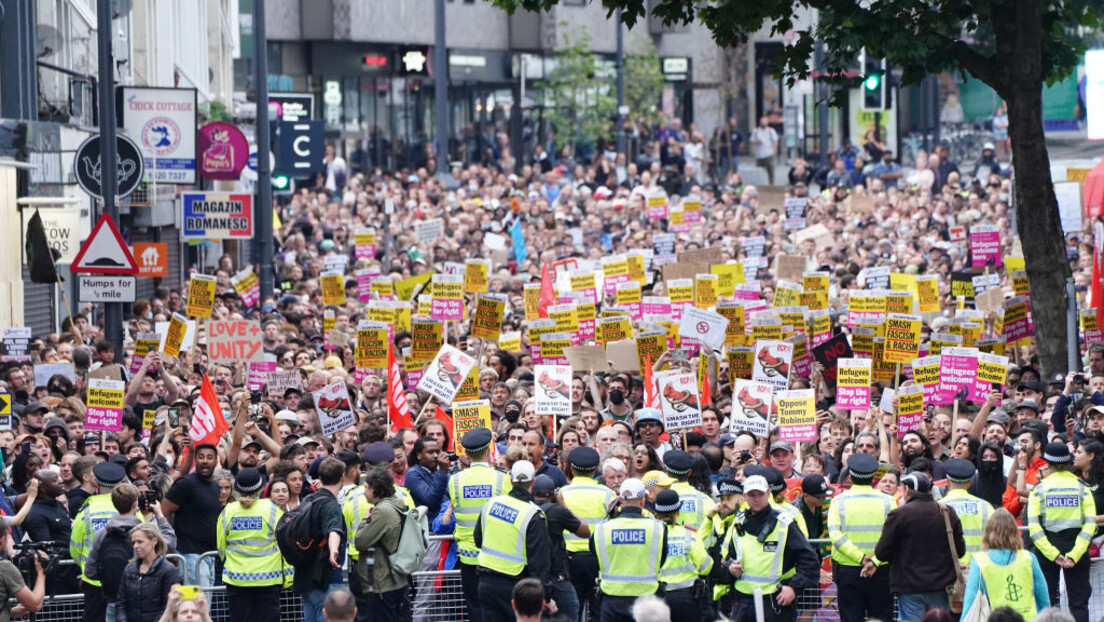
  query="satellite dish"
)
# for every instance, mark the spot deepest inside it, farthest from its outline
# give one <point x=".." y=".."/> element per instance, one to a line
<point x="121" y="8"/>
<point x="47" y="40"/>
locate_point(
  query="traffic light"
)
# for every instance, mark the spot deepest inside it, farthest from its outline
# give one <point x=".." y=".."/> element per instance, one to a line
<point x="873" y="82"/>
<point x="281" y="182"/>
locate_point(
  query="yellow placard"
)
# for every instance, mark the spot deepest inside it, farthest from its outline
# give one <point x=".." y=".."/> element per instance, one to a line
<point x="649" y="347"/>
<point x="476" y="276"/>
<point x="532" y="301"/>
<point x="467" y="417"/>
<point x="201" y="295"/>
<point x="786" y="294"/>
<point x="1019" y="282"/>
<point x="510" y="342"/>
<point x="553" y="346"/>
<point x="469" y="389"/>
<point x="636" y="268"/>
<point x="680" y="290"/>
<point x="862" y="340"/>
<point x="737" y="318"/>
<point x="405" y="288"/>
<point x="902" y="338"/>
<point x="815" y="281"/>
<point x="333" y="288"/>
<point x="927" y="288"/>
<point x="628" y="293"/>
<point x="899" y="301"/>
<point x="705" y="290"/>
<point x="729" y="275"/>
<point x="382" y="287"/>
<point x="612" y="329"/>
<point x="426" y="337"/>
<point x="371" y="346"/>
<point x="815" y="300"/>
<point x="174" y="337"/>
<point x="487" y="319"/>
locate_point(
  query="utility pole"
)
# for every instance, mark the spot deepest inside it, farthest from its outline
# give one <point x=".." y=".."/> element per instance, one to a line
<point x="620" y="85"/>
<point x="109" y="182"/>
<point x="440" y="88"/>
<point x="822" y="93"/>
<point x="263" y="248"/>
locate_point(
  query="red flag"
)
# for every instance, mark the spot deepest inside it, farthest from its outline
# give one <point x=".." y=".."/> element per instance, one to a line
<point x="398" y="411"/>
<point x="443" y="417"/>
<point x="208" y="423"/>
<point x="706" y="395"/>
<point x="1096" y="293"/>
<point x="651" y="396"/>
<point x="547" y="292"/>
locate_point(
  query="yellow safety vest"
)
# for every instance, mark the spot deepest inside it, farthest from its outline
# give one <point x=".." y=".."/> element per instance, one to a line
<point x="469" y="491"/>
<point x="695" y="506"/>
<point x="723" y="530"/>
<point x="628" y="555"/>
<point x="247" y="543"/>
<point x="1011" y="585"/>
<point x="973" y="513"/>
<point x="686" y="559"/>
<point x="762" y="561"/>
<point x="855" y="521"/>
<point x="92" y="517"/>
<point x="505" y="521"/>
<point x="588" y="500"/>
<point x="1057" y="503"/>
<point x="356" y="508"/>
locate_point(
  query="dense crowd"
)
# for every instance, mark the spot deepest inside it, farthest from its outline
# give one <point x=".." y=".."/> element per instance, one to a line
<point x="726" y="507"/>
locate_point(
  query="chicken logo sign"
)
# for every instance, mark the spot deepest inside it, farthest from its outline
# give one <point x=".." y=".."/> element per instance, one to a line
<point x="679" y="400"/>
<point x="443" y="376"/>
<point x="553" y="390"/>
<point x="334" y="411"/>
<point x="752" y="407"/>
<point x="772" y="363"/>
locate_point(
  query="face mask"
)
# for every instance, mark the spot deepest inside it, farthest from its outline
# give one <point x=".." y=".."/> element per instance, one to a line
<point x="990" y="466"/>
<point x="617" y="396"/>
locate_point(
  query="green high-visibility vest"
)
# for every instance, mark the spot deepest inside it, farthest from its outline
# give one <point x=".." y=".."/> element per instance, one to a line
<point x="247" y="543"/>
<point x="1011" y="585"/>
<point x="855" y="521"/>
<point x="93" y="516"/>
<point x="762" y="561"/>
<point x="505" y="521"/>
<point x="628" y="555"/>
<point x="1057" y="503"/>
<point x="695" y="506"/>
<point x="973" y="513"/>
<point x="588" y="500"/>
<point x="469" y="491"/>
<point x="686" y="559"/>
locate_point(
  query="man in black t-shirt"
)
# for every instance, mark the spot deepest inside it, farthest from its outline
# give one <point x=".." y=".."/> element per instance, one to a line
<point x="192" y="505"/>
<point x="560" y="519"/>
<point x="314" y="580"/>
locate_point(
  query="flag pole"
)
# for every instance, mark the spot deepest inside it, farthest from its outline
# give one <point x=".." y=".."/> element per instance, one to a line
<point x="65" y="298"/>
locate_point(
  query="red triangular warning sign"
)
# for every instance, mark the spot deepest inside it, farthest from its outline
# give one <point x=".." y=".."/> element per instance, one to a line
<point x="104" y="252"/>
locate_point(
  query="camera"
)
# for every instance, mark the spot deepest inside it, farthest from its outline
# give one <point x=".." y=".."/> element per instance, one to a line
<point x="1079" y="378"/>
<point x="25" y="558"/>
<point x="744" y="455"/>
<point x="147" y="497"/>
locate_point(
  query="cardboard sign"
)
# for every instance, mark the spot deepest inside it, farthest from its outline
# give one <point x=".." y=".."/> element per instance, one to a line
<point x="853" y="384"/>
<point x="958" y="375"/>
<point x="445" y="374"/>
<point x="678" y="398"/>
<point x="468" y="416"/>
<point x="201" y="295"/>
<point x="797" y="415"/>
<point x="174" y="336"/>
<point x="14" y="342"/>
<point x="706" y="327"/>
<point x="751" y="407"/>
<point x="333" y="288"/>
<point x="279" y="381"/>
<point x="144" y="343"/>
<point x="910" y="409"/>
<point x="828" y="355"/>
<point x="553" y="390"/>
<point x="591" y="357"/>
<point x="985" y="249"/>
<point x="448" y="297"/>
<point x="772" y="363"/>
<point x="790" y="267"/>
<point x="105" y="405"/>
<point x="234" y="341"/>
<point x="487" y="319"/>
<point x="331" y="404"/>
<point x="372" y="339"/>
<point x="902" y="338"/>
<point x="476" y="275"/>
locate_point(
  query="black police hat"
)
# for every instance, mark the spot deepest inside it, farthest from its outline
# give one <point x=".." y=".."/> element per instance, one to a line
<point x="667" y="501"/>
<point x="959" y="471"/>
<point x="108" y="474"/>
<point x="730" y="487"/>
<point x="379" y="453"/>
<point x="584" y="458"/>
<point x="775" y="479"/>
<point x="677" y="462"/>
<point x="477" y="441"/>
<point x="248" y="481"/>
<point x="862" y="465"/>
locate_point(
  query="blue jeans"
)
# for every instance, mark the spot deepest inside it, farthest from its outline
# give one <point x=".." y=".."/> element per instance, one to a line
<point x="911" y="607"/>
<point x="202" y="574"/>
<point x="110" y="613"/>
<point x="313" y="602"/>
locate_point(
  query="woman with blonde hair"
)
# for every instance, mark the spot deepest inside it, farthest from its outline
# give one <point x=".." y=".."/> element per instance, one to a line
<point x="1008" y="575"/>
<point x="147" y="579"/>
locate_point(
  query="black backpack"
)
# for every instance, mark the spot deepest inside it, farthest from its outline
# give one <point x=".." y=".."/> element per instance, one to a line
<point x="115" y="553"/>
<point x="297" y="541"/>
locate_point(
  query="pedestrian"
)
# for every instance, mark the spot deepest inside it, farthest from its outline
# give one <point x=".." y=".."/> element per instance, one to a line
<point x="588" y="500"/>
<point x="469" y="490"/>
<point x="148" y="579"/>
<point x="96" y="510"/>
<point x="192" y="505"/>
<point x="314" y="580"/>
<point x="686" y="563"/>
<point x="631" y="549"/>
<point x="972" y="511"/>
<point x="914" y="542"/>
<point x="764" y="141"/>
<point x="253" y="569"/>
<point x="1007" y="574"/>
<point x="1061" y="521"/>
<point x="512" y="537"/>
<point x="377" y="537"/>
<point x="562" y="523"/>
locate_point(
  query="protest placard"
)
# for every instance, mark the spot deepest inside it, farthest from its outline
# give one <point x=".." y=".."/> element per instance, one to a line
<point x="796" y="415"/>
<point x="279" y="381"/>
<point x="751" y="406"/>
<point x="248" y="286"/>
<point x="958" y="375"/>
<point x="657" y="206"/>
<point x="925" y="372"/>
<point x="144" y="343"/>
<point x="553" y="390"/>
<point x="828" y="355"/>
<point x="468" y="416"/>
<point x="445" y="373"/>
<point x="428" y="231"/>
<point x="992" y="369"/>
<point x="365" y="241"/>
<point x="258" y="372"/>
<point x="448" y="297"/>
<point x="201" y="295"/>
<point x="678" y="392"/>
<point x="14" y="342"/>
<point x="613" y="329"/>
<point x="174" y="335"/>
<point x="104" y="405"/>
<point x="331" y="404"/>
<point x="1016" y="321"/>
<point x="510" y="341"/>
<point x="795" y="213"/>
<point x="706" y="327"/>
<point x="487" y="320"/>
<point x="910" y="409"/>
<point x="553" y="348"/>
<point x="875" y="277"/>
<point x="234" y="341"/>
<point x="902" y="338"/>
<point x="372" y="339"/>
<point x="44" y="371"/>
<point x="476" y="273"/>
<point x="333" y="288"/>
<point x="853" y="384"/>
<point x="772" y="363"/>
<point x="985" y="249"/>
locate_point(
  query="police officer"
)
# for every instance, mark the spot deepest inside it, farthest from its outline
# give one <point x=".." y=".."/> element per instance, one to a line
<point x="1061" y="520"/>
<point x="778" y="500"/>
<point x="512" y="539"/>
<point x="631" y="549"/>
<point x="687" y="561"/>
<point x="356" y="508"/>
<point x="972" y="512"/>
<point x="696" y="506"/>
<point x="731" y="498"/>
<point x="765" y="546"/>
<point x="855" y="521"/>
<point x="469" y="491"/>
<point x="253" y="569"/>
<point x="92" y="517"/>
<point x="561" y="522"/>
<point x="590" y="501"/>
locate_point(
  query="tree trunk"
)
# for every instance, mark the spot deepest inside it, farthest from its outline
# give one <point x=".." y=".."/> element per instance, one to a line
<point x="1037" y="219"/>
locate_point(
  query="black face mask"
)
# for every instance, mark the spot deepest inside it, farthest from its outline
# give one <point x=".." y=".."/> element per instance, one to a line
<point x="512" y="415"/>
<point x="617" y="397"/>
<point x="990" y="467"/>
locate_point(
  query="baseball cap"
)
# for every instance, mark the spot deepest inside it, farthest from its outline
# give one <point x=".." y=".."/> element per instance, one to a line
<point x="522" y="472"/>
<point x="657" y="478"/>
<point x="632" y="488"/>
<point x="776" y="445"/>
<point x="756" y="482"/>
<point x="815" y="484"/>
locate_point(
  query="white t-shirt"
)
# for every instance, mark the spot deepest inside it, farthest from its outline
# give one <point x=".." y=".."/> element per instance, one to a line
<point x="767" y="140"/>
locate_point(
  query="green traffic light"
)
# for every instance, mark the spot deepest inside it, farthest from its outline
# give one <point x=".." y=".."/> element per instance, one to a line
<point x="281" y="182"/>
<point x="872" y="82"/>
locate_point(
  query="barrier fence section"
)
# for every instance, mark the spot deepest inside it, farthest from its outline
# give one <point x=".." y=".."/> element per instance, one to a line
<point x="445" y="602"/>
